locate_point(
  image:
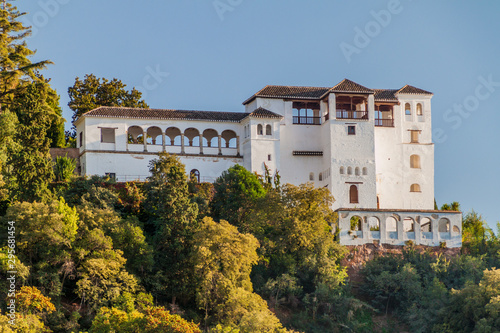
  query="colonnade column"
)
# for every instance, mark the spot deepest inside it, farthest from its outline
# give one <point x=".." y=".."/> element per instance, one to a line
<point x="144" y="137"/>
<point x="126" y="140"/>
<point x="182" y="143"/>
<point x="201" y="144"/>
<point x="220" y="144"/>
<point x="237" y="145"/>
<point x="163" y="141"/>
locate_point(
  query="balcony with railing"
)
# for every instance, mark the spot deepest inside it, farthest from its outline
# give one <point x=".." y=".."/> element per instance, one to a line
<point x="352" y="114"/>
<point x="306" y="120"/>
<point x="384" y="122"/>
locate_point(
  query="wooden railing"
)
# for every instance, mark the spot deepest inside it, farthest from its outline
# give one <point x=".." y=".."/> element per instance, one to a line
<point x="352" y="114"/>
<point x="384" y="122"/>
<point x="306" y="120"/>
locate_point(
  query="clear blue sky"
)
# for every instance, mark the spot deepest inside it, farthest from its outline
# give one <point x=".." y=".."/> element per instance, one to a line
<point x="218" y="53"/>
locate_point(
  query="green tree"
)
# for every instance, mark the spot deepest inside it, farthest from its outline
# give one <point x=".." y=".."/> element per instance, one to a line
<point x="30" y="162"/>
<point x="64" y="168"/>
<point x="172" y="224"/>
<point x="44" y="241"/>
<point x="149" y="320"/>
<point x="16" y="68"/>
<point x="236" y="192"/>
<point x="223" y="260"/>
<point x="92" y="92"/>
<point x="475" y="308"/>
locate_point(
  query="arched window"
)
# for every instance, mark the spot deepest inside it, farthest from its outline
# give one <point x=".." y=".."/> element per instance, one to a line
<point x="356" y="223"/>
<point x="415" y="188"/>
<point x="269" y="130"/>
<point x="320" y="177"/>
<point x="135" y="135"/>
<point x="245" y="128"/>
<point x="353" y="194"/>
<point x="365" y="171"/>
<point x="444" y="225"/>
<point x="195" y="174"/>
<point x="154" y="136"/>
<point x="259" y="130"/>
<point x="415" y="161"/>
<point x="341" y="170"/>
<point x="425" y="225"/>
<point x="408" y="225"/>
<point x="311" y="176"/>
<point x="356" y="171"/>
<point x="349" y="170"/>
<point x="419" y="110"/>
<point x="407" y="109"/>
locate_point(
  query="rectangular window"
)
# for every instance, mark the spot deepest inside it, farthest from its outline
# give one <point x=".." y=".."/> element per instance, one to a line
<point x="107" y="135"/>
<point x="351" y="130"/>
<point x="81" y="139"/>
<point x="414" y="136"/>
<point x="269" y="157"/>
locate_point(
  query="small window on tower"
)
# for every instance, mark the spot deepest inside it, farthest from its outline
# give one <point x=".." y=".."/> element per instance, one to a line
<point x="351" y="130"/>
<point x="269" y="157"/>
<point x="414" y="136"/>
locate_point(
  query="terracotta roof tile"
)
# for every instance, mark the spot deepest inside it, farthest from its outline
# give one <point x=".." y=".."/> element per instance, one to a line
<point x="289" y="92"/>
<point x="386" y="95"/>
<point x="263" y="113"/>
<point x="351" y="87"/>
<point x="413" y="90"/>
<point x="122" y="112"/>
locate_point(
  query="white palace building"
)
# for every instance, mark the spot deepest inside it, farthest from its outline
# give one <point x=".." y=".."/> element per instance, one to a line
<point x="371" y="147"/>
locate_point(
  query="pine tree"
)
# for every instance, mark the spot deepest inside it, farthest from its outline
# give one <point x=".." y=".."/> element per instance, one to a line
<point x="15" y="66"/>
<point x="30" y="161"/>
<point x="173" y="223"/>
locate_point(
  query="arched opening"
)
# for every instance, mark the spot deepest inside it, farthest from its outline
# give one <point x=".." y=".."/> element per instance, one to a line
<point x="408" y="225"/>
<point x="259" y="130"/>
<point x="349" y="170"/>
<point x="341" y="170"/>
<point x="311" y="176"/>
<point x="415" y="161"/>
<point x="373" y="223"/>
<point x="195" y="174"/>
<point x="193" y="137"/>
<point x="353" y="194"/>
<point x="426" y="225"/>
<point x="419" y="109"/>
<point x="391" y="227"/>
<point x="135" y="135"/>
<point x="456" y="229"/>
<point x="415" y="188"/>
<point x="174" y="136"/>
<point x="356" y="171"/>
<point x="155" y="136"/>
<point x="356" y="223"/>
<point x="229" y="138"/>
<point x="320" y="176"/>
<point x="208" y="136"/>
<point x="408" y="109"/>
<point x="365" y="171"/>
<point x="444" y="225"/>
<point x="269" y="130"/>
